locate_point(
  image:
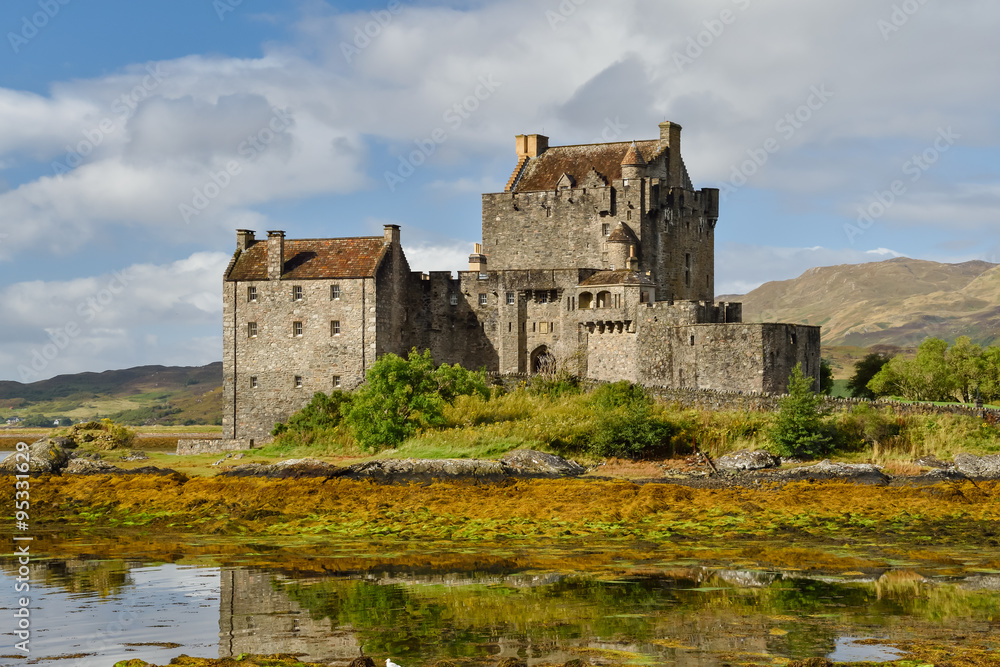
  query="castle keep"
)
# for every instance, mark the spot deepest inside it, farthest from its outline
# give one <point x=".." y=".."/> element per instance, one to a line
<point x="598" y="259"/>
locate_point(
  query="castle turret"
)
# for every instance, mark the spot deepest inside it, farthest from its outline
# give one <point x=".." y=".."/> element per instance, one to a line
<point x="633" y="164"/>
<point x="622" y="245"/>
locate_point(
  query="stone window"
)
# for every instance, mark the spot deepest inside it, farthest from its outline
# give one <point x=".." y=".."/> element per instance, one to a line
<point x="334" y="292"/>
<point x="511" y="298"/>
<point x="692" y="340"/>
<point x="483" y="299"/>
<point x="543" y="327"/>
<point x="586" y="300"/>
<point x="644" y="297"/>
<point x="335" y="328"/>
<point x="251" y="329"/>
<point x="628" y="215"/>
<point x="253" y="381"/>
<point x="606" y="229"/>
<point x="604" y="299"/>
<point x="298" y="382"/>
<point x="453" y="299"/>
<point x="297" y="329"/>
<point x="297" y="293"/>
<point x="251" y="294"/>
<point x="543" y="297"/>
<point x="336" y="382"/>
<point x="484" y="276"/>
<point x="795" y="339"/>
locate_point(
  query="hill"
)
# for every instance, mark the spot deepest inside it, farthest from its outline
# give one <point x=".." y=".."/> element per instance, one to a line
<point x="896" y="302"/>
<point x="142" y="395"/>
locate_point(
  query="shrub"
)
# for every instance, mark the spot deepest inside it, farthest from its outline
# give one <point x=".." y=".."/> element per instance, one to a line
<point x="322" y="412"/>
<point x="799" y="429"/>
<point x="554" y="385"/>
<point x="403" y="396"/>
<point x="619" y="394"/>
<point x="634" y="432"/>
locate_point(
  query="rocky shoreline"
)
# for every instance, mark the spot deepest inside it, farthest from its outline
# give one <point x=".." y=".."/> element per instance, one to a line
<point x="745" y="468"/>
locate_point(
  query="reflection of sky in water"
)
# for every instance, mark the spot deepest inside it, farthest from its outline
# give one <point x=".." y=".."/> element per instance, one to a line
<point x="168" y="603"/>
<point x="848" y="651"/>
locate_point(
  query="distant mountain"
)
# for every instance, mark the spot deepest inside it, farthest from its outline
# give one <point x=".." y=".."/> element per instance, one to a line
<point x="896" y="302"/>
<point x="145" y="394"/>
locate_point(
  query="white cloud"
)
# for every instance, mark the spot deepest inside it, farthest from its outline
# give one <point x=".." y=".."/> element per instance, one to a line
<point x="141" y="314"/>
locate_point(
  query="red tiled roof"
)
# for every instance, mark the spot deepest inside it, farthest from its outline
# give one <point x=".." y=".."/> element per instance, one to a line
<point x="544" y="171"/>
<point x="314" y="258"/>
<point x="620" y="277"/>
<point x="633" y="157"/>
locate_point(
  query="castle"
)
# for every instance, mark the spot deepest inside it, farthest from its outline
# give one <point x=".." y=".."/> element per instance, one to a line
<point x="598" y="259"/>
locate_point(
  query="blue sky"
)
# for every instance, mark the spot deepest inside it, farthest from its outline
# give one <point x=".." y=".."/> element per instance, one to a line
<point x="118" y="121"/>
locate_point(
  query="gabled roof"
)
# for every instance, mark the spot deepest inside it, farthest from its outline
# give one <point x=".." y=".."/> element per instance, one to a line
<point x="620" y="277"/>
<point x="544" y="171"/>
<point x="307" y="259"/>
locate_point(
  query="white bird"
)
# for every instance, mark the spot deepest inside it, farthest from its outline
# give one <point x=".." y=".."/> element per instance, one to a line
<point x="390" y="663"/>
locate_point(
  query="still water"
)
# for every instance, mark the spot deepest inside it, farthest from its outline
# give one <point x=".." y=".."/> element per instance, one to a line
<point x="102" y="611"/>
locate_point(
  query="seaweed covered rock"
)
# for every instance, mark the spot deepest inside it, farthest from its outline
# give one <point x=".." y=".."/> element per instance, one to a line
<point x="746" y="460"/>
<point x="290" y="469"/>
<point x="540" y="464"/>
<point x="43" y="456"/>
<point x="512" y="662"/>
<point x="425" y="471"/>
<point x="859" y="473"/>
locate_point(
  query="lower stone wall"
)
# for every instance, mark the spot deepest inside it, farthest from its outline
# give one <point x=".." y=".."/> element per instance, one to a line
<point x="189" y="447"/>
<point x="706" y="399"/>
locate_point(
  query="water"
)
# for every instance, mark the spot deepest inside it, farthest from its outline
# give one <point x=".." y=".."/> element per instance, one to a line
<point x="108" y="610"/>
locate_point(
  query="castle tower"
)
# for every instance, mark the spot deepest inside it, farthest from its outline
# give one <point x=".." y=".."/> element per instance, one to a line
<point x="633" y="164"/>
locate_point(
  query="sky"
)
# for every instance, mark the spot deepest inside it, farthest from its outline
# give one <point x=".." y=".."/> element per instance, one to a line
<point x="136" y="137"/>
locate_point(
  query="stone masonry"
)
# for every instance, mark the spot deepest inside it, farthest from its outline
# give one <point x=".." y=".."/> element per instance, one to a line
<point x="596" y="259"/>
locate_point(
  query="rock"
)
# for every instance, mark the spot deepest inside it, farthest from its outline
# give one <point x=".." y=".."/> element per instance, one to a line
<point x="426" y="471"/>
<point x="363" y="661"/>
<point x="290" y="469"/>
<point x="136" y="456"/>
<point x="935" y="476"/>
<point x="43" y="456"/>
<point x="65" y="443"/>
<point x="859" y="473"/>
<point x="531" y="462"/>
<point x="979" y="467"/>
<point x="746" y="460"/>
<point x="89" y="467"/>
<point x="932" y="462"/>
<point x="575" y="662"/>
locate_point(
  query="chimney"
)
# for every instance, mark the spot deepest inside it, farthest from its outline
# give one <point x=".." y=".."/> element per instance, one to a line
<point x="477" y="260"/>
<point x="275" y="254"/>
<point x="633" y="261"/>
<point x="391" y="234"/>
<point x="670" y="137"/>
<point x="531" y="145"/>
<point x="244" y="238"/>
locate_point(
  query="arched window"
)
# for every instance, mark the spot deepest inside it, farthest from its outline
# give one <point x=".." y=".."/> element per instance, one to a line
<point x="604" y="299"/>
<point x="586" y="300"/>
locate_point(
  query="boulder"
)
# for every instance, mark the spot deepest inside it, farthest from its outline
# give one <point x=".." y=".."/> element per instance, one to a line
<point x="746" y="460"/>
<point x="534" y="463"/>
<point x="979" y="467"/>
<point x="290" y="469"/>
<point x="859" y="473"/>
<point x="43" y="456"/>
<point x="90" y="467"/>
<point x="426" y="471"/>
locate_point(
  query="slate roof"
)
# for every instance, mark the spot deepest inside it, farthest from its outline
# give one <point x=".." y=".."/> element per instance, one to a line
<point x="620" y="277"/>
<point x="544" y="171"/>
<point x="633" y="157"/>
<point x="307" y="259"/>
<point x="622" y="233"/>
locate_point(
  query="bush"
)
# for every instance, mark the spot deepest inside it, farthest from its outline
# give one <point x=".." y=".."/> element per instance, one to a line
<point x="403" y="396"/>
<point x="554" y="385"/>
<point x="627" y="426"/>
<point x="864" y="426"/>
<point x="618" y="395"/>
<point x="322" y="412"/>
<point x="799" y="429"/>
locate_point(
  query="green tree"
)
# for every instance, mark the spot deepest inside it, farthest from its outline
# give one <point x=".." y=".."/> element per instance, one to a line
<point x="990" y="385"/>
<point x="923" y="378"/>
<point x="402" y="396"/>
<point x="626" y="424"/>
<point x="799" y="429"/>
<point x="864" y="371"/>
<point x="967" y="368"/>
<point x="825" y="377"/>
<point x="323" y="412"/>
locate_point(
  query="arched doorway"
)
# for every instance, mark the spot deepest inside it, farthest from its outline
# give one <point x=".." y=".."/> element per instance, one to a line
<point x="543" y="362"/>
